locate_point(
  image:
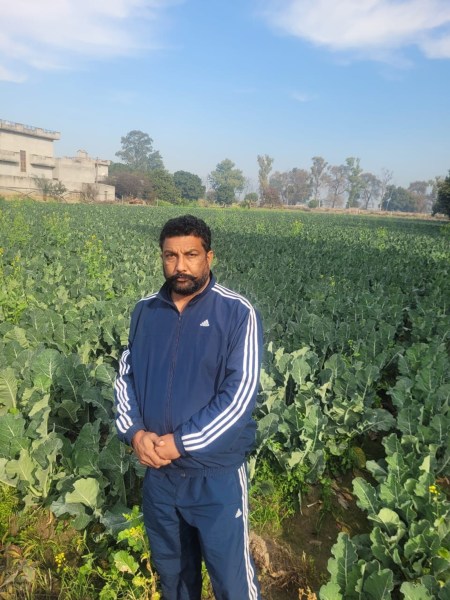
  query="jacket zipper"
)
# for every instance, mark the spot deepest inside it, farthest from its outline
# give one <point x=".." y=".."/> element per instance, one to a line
<point x="171" y="375"/>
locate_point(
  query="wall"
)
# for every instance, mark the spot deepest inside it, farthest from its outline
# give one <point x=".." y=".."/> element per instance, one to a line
<point x="27" y="152"/>
<point x="36" y="158"/>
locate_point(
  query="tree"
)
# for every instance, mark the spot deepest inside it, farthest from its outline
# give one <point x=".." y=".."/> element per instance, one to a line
<point x="190" y="186"/>
<point x="128" y="185"/>
<point x="300" y="190"/>
<point x="423" y="192"/>
<point x="225" y="194"/>
<point x="265" y="166"/>
<point x="117" y="167"/>
<point x="337" y="184"/>
<point x="248" y="187"/>
<point x="271" y="197"/>
<point x="370" y="190"/>
<point x="137" y="152"/>
<point x="48" y="187"/>
<point x="281" y="182"/>
<point x="442" y="204"/>
<point x="89" y="192"/>
<point x="318" y="177"/>
<point x="250" y="200"/>
<point x="385" y="179"/>
<point x="354" y="182"/>
<point x="226" y="181"/>
<point x="164" y="187"/>
<point x="293" y="187"/>
<point x="398" y="199"/>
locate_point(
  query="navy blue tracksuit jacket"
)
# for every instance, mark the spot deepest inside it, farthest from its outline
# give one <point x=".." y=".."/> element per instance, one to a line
<point x="194" y="374"/>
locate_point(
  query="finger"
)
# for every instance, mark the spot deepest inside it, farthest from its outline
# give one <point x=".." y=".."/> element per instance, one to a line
<point x="155" y="459"/>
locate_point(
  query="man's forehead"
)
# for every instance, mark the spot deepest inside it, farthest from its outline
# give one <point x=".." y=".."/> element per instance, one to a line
<point x="183" y="242"/>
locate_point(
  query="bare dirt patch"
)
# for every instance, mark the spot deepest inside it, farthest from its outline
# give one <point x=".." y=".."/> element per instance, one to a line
<point x="293" y="564"/>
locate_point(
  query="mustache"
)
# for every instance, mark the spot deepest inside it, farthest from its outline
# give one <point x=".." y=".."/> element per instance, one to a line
<point x="180" y="276"/>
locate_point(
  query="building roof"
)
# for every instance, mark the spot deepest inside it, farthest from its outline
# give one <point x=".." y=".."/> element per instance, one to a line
<point x="29" y="130"/>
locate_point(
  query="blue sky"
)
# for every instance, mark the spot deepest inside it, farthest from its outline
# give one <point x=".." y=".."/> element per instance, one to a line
<point x="216" y="79"/>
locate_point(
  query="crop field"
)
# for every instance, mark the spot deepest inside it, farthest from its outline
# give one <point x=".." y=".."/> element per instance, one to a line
<point x="357" y="356"/>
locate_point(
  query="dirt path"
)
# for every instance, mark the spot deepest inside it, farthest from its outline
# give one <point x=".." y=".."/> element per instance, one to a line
<point x="296" y="558"/>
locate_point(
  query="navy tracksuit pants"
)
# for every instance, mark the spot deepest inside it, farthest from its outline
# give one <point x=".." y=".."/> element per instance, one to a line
<point x="188" y="518"/>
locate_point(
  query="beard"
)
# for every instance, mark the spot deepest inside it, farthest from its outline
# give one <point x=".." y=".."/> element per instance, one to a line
<point x="190" y="284"/>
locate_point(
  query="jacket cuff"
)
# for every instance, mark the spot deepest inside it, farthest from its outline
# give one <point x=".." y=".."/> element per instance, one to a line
<point x="178" y="442"/>
<point x="129" y="434"/>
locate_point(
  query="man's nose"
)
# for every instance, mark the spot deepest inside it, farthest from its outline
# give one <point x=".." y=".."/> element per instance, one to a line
<point x="181" y="264"/>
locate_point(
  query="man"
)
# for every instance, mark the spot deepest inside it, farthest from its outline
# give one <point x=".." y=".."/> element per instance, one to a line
<point x="184" y="397"/>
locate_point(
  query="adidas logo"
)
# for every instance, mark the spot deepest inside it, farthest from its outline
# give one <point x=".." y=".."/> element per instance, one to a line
<point x="238" y="513"/>
<point x="204" y="323"/>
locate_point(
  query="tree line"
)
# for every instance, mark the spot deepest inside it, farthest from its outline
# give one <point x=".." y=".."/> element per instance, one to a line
<point x="141" y="174"/>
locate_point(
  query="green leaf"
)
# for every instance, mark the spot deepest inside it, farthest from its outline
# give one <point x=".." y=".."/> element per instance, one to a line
<point x="379" y="585"/>
<point x="267" y="426"/>
<point x="300" y="370"/>
<point x="366" y="494"/>
<point x="381" y="547"/>
<point x="88" y="438"/>
<point x="19" y="335"/>
<point x="39" y="405"/>
<point x="415" y="591"/>
<point x="114" y="456"/>
<point x="4" y="477"/>
<point x="444" y="592"/>
<point x="105" y="374"/>
<point x="44" y="368"/>
<point x="345" y="560"/>
<point x="330" y="591"/>
<point x="379" y="419"/>
<point x="44" y="451"/>
<point x="124" y="562"/>
<point x="21" y="469"/>
<point x="313" y="426"/>
<point x="390" y="522"/>
<point x="295" y="458"/>
<point x="12" y="435"/>
<point x="86" y="491"/>
<point x="266" y="381"/>
<point x="70" y="409"/>
<point x="377" y="471"/>
<point x="86" y="461"/>
<point x="8" y="387"/>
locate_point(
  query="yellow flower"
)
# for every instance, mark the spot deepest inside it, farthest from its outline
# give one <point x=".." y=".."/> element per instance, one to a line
<point x="139" y="581"/>
<point x="433" y="489"/>
<point x="60" y="559"/>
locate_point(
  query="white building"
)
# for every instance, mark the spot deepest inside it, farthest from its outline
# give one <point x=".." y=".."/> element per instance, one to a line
<point x="26" y="156"/>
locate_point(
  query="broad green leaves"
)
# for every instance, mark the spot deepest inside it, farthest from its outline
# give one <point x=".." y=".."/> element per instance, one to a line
<point x="410" y="539"/>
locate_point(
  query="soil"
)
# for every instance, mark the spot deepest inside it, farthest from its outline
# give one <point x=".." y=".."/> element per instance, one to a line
<point x="293" y="564"/>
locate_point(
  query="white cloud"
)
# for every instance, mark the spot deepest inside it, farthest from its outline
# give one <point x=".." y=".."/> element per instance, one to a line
<point x="8" y="75"/>
<point x="302" y="96"/>
<point x="373" y="28"/>
<point x="55" y="34"/>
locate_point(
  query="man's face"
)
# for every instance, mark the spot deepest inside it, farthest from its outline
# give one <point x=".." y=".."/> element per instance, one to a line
<point x="186" y="264"/>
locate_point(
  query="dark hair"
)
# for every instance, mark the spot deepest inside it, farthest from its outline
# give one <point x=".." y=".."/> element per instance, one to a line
<point x="186" y="225"/>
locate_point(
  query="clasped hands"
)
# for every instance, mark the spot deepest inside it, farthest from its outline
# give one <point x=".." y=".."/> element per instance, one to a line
<point x="154" y="450"/>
